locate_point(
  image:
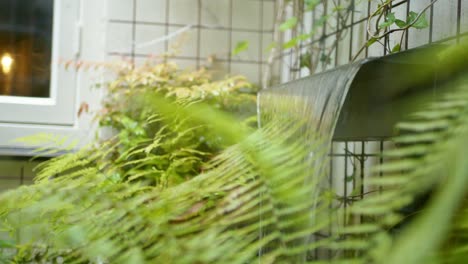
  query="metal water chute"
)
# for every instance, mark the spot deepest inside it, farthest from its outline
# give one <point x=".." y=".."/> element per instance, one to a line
<point x="363" y="100"/>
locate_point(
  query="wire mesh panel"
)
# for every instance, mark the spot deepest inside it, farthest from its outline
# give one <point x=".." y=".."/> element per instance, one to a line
<point x="204" y="31"/>
<point x="345" y="35"/>
<point x="343" y="39"/>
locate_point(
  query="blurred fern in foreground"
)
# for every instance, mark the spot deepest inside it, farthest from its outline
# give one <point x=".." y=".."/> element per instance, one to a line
<point x="160" y="151"/>
<point x="256" y="201"/>
<point x="251" y="203"/>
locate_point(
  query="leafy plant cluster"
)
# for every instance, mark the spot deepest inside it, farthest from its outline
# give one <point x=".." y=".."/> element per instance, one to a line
<point x="384" y="29"/>
<point x="258" y="200"/>
<point x="236" y="211"/>
<point x="150" y="147"/>
<point x="293" y="36"/>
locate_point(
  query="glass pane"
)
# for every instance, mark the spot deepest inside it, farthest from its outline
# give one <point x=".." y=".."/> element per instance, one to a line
<point x="25" y="47"/>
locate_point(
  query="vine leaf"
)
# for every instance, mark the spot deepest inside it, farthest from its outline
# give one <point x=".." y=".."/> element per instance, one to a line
<point x="349" y="178"/>
<point x="420" y="23"/>
<point x="338" y="8"/>
<point x="325" y="58"/>
<point x="240" y="47"/>
<point x="389" y="20"/>
<point x="306" y="60"/>
<point x="311" y="4"/>
<point x="290" y="44"/>
<point x="400" y="23"/>
<point x="271" y="46"/>
<point x="321" y="21"/>
<point x="288" y="24"/>
<point x="304" y="37"/>
<point x="396" y="48"/>
<point x="371" y="41"/>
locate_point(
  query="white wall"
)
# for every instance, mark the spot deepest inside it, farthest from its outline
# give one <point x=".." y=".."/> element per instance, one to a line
<point x="216" y="27"/>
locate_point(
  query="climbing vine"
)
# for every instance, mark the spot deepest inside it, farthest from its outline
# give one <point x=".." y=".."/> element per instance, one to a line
<point x="381" y="23"/>
<point x="307" y="44"/>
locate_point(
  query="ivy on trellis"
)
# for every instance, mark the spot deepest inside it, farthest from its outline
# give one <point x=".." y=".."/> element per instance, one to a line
<point x="309" y="54"/>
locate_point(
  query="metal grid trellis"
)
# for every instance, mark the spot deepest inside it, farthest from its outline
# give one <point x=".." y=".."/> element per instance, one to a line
<point x="448" y="23"/>
<point x="224" y="34"/>
<point x="440" y="30"/>
<point x="350" y="165"/>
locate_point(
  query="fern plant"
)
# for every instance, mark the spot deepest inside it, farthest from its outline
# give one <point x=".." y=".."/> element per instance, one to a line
<point x="253" y="201"/>
<point x="429" y="161"/>
<point x="244" y="207"/>
<point x="151" y="148"/>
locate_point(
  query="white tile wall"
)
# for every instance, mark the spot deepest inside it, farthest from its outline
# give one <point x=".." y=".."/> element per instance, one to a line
<point x="247" y="69"/>
<point x="14" y="172"/>
<point x="266" y="42"/>
<point x="186" y="42"/>
<point x="119" y="37"/>
<point x="418" y="37"/>
<point x="221" y="25"/>
<point x="445" y="19"/>
<point x="464" y="18"/>
<point x="246" y="14"/>
<point x="252" y="53"/>
<point x="268" y="14"/>
<point x="151" y="10"/>
<point x="359" y="39"/>
<point x="183" y="12"/>
<point x="215" y="13"/>
<point x="146" y="34"/>
<point x="360" y="12"/>
<point x="214" y="42"/>
<point x="120" y="9"/>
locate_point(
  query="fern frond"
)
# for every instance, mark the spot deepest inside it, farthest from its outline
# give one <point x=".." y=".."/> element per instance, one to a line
<point x="430" y="158"/>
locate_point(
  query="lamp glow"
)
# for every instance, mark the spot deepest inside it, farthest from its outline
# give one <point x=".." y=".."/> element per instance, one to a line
<point x="6" y="62"/>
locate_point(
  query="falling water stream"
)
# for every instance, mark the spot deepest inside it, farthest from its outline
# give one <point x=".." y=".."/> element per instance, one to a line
<point x="316" y="101"/>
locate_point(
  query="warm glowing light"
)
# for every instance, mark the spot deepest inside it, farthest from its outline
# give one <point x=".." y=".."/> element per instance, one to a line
<point x="7" y="62"/>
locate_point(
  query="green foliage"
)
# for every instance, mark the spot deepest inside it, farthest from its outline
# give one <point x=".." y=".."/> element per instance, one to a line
<point x="418" y="166"/>
<point x="311" y="4"/>
<point x="288" y="24"/>
<point x="396" y="48"/>
<point x="389" y="20"/>
<point x="411" y="21"/>
<point x="382" y="19"/>
<point x="260" y="199"/>
<point x="253" y="202"/>
<point x="240" y="47"/>
<point x="420" y="23"/>
<point x="341" y="12"/>
<point x="150" y="147"/>
<point x="50" y="144"/>
<point x="245" y="203"/>
<point x="305" y="60"/>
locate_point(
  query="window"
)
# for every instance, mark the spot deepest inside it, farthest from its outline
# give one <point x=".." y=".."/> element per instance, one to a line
<point x="34" y="36"/>
<point x="25" y="47"/>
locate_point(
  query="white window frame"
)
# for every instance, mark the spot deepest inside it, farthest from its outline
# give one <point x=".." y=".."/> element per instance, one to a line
<point x="59" y="108"/>
<point x="80" y="32"/>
